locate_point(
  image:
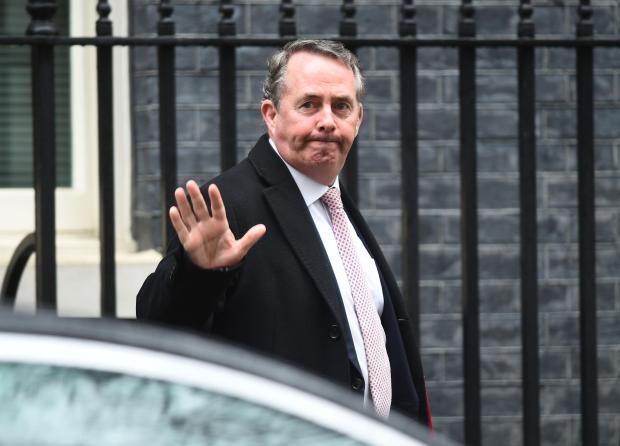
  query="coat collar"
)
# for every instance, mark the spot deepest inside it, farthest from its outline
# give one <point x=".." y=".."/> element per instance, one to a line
<point x="290" y="210"/>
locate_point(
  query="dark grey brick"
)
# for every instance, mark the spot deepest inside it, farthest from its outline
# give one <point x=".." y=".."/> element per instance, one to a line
<point x="146" y="231"/>
<point x="556" y="227"/>
<point x="550" y="20"/>
<point x="428" y="89"/>
<point x="562" y="263"/>
<point x="608" y="191"/>
<point x="187" y="125"/>
<point x="253" y="58"/>
<point x="438" y="192"/>
<point x="437" y="58"/>
<point x="144" y="19"/>
<point x="604" y="88"/>
<point x="428" y="19"/>
<point x="374" y="157"/>
<point x="559" y="399"/>
<point x="387" y="125"/>
<point x="440" y="263"/>
<point x="561" y="192"/>
<point x="607" y="57"/>
<point x="498" y="193"/>
<point x="451" y="15"/>
<point x="431" y="228"/>
<point x="497" y="124"/>
<point x="387" y="192"/>
<point x="209" y="125"/>
<point x="147" y="162"/>
<point x="551" y="157"/>
<point x="604" y="157"/>
<point x="561" y="58"/>
<point x="606" y="295"/>
<point x="498" y="228"/>
<point x="433" y="364"/>
<point x="503" y="400"/>
<point x="498" y="298"/>
<point x="198" y="159"/>
<point x="197" y="90"/>
<point x="606" y="123"/>
<point x="552" y="88"/>
<point x="146" y="91"/>
<point x="499" y="366"/>
<point x="148" y="123"/>
<point x="506" y="433"/>
<point x="608" y="362"/>
<point x="208" y="58"/>
<point x="438" y="124"/>
<point x="430" y="157"/>
<point x="609" y="429"/>
<point x="495" y="58"/>
<point x="144" y="58"/>
<point x="500" y="331"/>
<point x="385" y="58"/>
<point x="555" y="431"/>
<point x="385" y="228"/>
<point x="454" y="366"/>
<point x="609" y="329"/>
<point x="555" y="364"/>
<point x="324" y="20"/>
<point x="265" y="19"/>
<point x="250" y="124"/>
<point x="430" y="299"/>
<point x="376" y="19"/>
<point x="562" y="329"/>
<point x="607" y="226"/>
<point x="201" y="19"/>
<point x="186" y="58"/>
<point x="148" y="190"/>
<point x="498" y="157"/>
<point x="450" y="427"/>
<point x="441" y="332"/>
<point x="556" y="297"/>
<point x="447" y="401"/>
<point x="496" y="88"/>
<point x="379" y="89"/>
<point x="496" y="20"/>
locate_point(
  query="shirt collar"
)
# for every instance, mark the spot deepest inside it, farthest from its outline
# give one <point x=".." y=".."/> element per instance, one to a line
<point x="310" y="190"/>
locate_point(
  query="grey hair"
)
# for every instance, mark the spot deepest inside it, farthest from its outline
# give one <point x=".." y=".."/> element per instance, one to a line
<point x="277" y="65"/>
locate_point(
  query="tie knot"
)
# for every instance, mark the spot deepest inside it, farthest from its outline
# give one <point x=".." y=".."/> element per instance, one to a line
<point x="331" y="199"/>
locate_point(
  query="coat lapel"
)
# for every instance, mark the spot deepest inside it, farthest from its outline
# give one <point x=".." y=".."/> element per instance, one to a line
<point x="291" y="212"/>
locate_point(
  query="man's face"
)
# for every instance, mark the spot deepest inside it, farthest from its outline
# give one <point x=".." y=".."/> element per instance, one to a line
<point x="318" y="116"/>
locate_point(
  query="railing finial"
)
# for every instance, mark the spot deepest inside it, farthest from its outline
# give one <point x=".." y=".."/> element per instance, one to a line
<point x="227" y="25"/>
<point x="104" y="24"/>
<point x="287" y="19"/>
<point x="41" y="14"/>
<point x="165" y="26"/>
<point x="407" y="25"/>
<point x="526" y="24"/>
<point x="348" y="25"/>
<point x="467" y="23"/>
<point x="585" y="26"/>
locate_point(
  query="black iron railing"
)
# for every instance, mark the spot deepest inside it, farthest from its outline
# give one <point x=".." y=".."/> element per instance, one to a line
<point x="42" y="39"/>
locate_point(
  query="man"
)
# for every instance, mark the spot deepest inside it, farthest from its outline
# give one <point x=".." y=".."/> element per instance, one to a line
<point x="280" y="264"/>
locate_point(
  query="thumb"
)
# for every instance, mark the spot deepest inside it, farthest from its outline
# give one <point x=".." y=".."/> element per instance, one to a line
<point x="250" y="238"/>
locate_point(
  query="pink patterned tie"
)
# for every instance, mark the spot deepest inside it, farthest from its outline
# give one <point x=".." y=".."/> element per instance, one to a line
<point x="379" y="376"/>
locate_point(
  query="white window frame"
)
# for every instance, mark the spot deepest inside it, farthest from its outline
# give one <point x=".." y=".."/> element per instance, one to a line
<point x="77" y="206"/>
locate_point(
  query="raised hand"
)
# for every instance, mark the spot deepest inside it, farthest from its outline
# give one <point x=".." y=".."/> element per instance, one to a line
<point x="207" y="239"/>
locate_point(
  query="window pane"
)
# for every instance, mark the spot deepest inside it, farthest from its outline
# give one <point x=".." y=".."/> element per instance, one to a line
<point x="15" y="101"/>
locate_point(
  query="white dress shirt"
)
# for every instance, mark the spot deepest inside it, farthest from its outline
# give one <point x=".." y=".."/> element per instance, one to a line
<point x="312" y="191"/>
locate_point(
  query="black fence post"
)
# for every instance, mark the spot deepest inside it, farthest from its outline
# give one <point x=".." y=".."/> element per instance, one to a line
<point x="587" y="239"/>
<point x="228" y="88"/>
<point x="529" y="238"/>
<point x="167" y="121"/>
<point x="287" y="26"/>
<point x="348" y="28"/>
<point x="469" y="227"/>
<point x="409" y="164"/>
<point x="44" y="148"/>
<point x="106" y="164"/>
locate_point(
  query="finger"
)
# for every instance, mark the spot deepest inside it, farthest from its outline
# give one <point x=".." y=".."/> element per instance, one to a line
<point x="178" y="225"/>
<point x="198" y="201"/>
<point x="250" y="238"/>
<point x="218" y="210"/>
<point x="184" y="208"/>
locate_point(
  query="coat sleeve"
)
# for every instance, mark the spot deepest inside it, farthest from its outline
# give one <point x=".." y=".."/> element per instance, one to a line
<point x="180" y="293"/>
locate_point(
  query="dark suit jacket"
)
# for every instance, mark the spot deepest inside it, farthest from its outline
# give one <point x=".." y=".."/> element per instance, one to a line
<point x="283" y="299"/>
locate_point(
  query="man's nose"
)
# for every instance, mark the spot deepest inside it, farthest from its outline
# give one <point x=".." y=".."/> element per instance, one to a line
<point x="326" y="121"/>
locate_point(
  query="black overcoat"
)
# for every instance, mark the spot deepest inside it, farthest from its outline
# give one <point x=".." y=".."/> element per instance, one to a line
<point x="283" y="300"/>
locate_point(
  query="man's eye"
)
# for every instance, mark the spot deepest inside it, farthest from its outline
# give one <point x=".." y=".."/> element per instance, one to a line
<point x="343" y="106"/>
<point x="307" y="104"/>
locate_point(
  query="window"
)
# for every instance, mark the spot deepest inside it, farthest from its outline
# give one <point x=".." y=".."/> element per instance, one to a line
<point x="15" y="100"/>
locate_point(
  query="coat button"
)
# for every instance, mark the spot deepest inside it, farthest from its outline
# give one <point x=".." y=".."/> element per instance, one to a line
<point x="357" y="384"/>
<point x="334" y="332"/>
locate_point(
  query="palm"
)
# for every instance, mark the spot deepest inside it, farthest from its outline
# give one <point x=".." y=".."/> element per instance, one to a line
<point x="207" y="239"/>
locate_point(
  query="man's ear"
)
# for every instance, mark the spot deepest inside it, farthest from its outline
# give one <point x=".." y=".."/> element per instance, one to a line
<point x="360" y="119"/>
<point x="269" y="112"/>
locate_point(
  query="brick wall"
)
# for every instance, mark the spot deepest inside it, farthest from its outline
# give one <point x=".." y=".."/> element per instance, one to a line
<point x="198" y="133"/>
